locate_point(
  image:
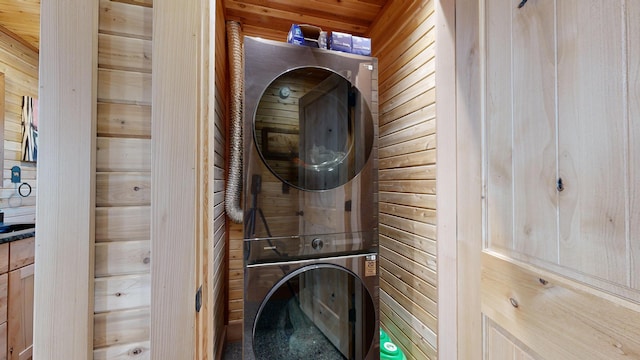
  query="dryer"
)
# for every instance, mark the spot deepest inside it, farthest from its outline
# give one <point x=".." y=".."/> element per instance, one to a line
<point x="310" y="203"/>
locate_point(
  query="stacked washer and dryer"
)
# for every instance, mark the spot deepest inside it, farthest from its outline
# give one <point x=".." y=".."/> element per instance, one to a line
<point x="310" y="203"/>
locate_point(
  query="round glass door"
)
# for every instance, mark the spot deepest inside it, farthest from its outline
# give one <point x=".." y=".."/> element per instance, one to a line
<point x="313" y="129"/>
<point x="317" y="312"/>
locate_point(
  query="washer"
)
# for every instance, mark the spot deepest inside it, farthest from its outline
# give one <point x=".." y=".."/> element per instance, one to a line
<point x="323" y="309"/>
<point x="311" y="203"/>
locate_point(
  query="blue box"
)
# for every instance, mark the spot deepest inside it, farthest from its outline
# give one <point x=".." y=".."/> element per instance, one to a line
<point x="361" y="45"/>
<point x="306" y="35"/>
<point x="340" y="41"/>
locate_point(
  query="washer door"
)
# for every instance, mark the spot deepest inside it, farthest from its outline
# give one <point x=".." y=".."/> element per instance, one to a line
<point x="320" y="311"/>
<point x="313" y="129"/>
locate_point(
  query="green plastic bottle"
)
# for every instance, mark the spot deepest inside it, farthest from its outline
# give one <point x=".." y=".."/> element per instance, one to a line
<point x="384" y="337"/>
<point x="389" y="351"/>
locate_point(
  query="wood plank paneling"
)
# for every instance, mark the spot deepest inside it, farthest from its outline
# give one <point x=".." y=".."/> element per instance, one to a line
<point x="407" y="169"/>
<point x="123" y="182"/>
<point x="592" y="152"/>
<point x="19" y="77"/>
<point x="123" y="223"/>
<point x="123" y="154"/>
<point x="124" y="120"/>
<point x="123" y="258"/>
<point x="120" y="86"/>
<point x="121" y="327"/>
<point x="534" y="133"/>
<point x="521" y="129"/>
<point x="123" y="189"/>
<point x="23" y="19"/>
<point x="415" y="339"/>
<point x="132" y="351"/>
<point x="499" y="104"/>
<point x="124" y="53"/>
<point x="122" y="292"/>
<point x="633" y="98"/>
<point x="129" y="20"/>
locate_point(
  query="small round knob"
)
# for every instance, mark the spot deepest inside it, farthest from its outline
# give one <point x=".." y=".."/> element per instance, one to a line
<point x="317" y="244"/>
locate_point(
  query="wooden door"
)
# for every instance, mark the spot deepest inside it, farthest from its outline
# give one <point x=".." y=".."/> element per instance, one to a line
<point x="20" y="322"/>
<point x="546" y="180"/>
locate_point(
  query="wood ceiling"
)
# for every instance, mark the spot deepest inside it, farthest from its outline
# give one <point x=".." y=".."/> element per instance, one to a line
<point x="272" y="19"/>
<point x="266" y="18"/>
<point x="21" y="20"/>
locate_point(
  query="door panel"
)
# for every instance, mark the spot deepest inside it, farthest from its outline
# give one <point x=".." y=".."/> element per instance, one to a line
<point x="592" y="132"/>
<point x="633" y="62"/>
<point x="559" y="269"/>
<point x="534" y="132"/>
<point x="500" y="345"/>
<point x="556" y="317"/>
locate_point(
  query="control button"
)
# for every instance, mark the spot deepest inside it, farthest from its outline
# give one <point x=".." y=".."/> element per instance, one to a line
<point x="317" y="244"/>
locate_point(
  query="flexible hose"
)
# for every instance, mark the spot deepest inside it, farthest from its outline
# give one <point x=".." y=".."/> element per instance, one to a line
<point x="234" y="180"/>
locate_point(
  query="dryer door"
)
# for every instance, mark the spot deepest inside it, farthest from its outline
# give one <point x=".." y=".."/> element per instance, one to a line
<point x="313" y="129"/>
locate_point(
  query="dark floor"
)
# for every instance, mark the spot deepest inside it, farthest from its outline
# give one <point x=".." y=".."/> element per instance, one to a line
<point x="232" y="351"/>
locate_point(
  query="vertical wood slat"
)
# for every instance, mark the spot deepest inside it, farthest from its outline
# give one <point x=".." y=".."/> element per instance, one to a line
<point x="175" y="115"/>
<point x="64" y="278"/>
<point x="633" y="98"/>
<point x="534" y="132"/>
<point x="499" y="108"/>
<point x="465" y="171"/>
<point x="592" y="134"/>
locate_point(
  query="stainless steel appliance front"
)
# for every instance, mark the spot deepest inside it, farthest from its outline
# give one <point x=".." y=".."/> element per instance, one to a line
<point x="310" y="135"/>
<point x="323" y="308"/>
<point x="310" y="203"/>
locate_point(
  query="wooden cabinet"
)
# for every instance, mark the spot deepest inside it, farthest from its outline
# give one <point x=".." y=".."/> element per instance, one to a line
<point x="20" y="318"/>
<point x="4" y="288"/>
<point x="16" y="299"/>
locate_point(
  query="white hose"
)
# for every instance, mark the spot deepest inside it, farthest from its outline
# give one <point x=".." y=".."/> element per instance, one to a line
<point x="234" y="180"/>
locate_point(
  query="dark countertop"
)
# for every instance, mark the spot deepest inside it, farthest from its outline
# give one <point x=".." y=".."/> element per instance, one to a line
<point x="12" y="232"/>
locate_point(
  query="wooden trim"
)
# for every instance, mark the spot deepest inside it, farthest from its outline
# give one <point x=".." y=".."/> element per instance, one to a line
<point x="66" y="200"/>
<point x="459" y="181"/>
<point x="446" y="180"/>
<point x="174" y="132"/>
<point x="469" y="175"/>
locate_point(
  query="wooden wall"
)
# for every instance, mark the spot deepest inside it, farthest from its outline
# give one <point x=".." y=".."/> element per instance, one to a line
<point x="403" y="40"/>
<point x="19" y="63"/>
<point x="123" y="181"/>
<point x="219" y="220"/>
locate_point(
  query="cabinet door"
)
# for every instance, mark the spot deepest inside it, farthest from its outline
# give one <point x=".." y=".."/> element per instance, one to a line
<point x="3" y="341"/>
<point x="20" y="322"/>
<point x="22" y="253"/>
<point x="4" y="287"/>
